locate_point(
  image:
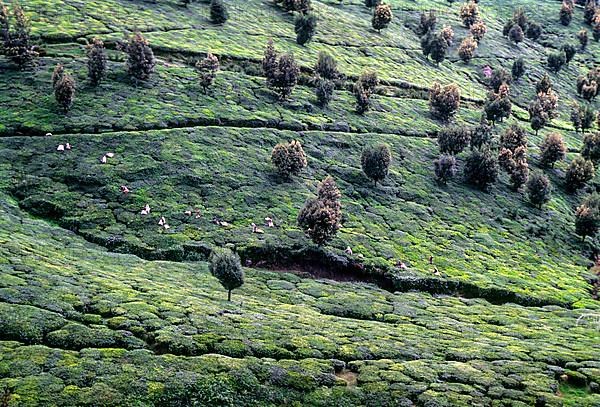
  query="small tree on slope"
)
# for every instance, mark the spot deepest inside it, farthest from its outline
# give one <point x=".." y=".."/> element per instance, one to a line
<point x="225" y="265"/>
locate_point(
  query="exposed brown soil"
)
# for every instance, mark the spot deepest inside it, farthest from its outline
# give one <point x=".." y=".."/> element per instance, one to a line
<point x="348" y="376"/>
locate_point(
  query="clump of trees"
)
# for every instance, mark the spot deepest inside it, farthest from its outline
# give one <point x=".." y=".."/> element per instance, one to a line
<point x="375" y="162"/>
<point x="518" y="18"/>
<point x="582" y="36"/>
<point x="427" y="23"/>
<point x="513" y="137"/>
<point x="15" y="29"/>
<point x="218" y="12"/>
<point x="96" y="63"/>
<point x="382" y="17"/>
<point x="566" y="13"/>
<point x="588" y="85"/>
<point x="481" y="134"/>
<point x="447" y="33"/>
<point x="578" y="173"/>
<point x="514" y="163"/>
<point x="320" y="218"/>
<point x="453" y="140"/>
<point x="305" y="26"/>
<point x="225" y="266"/>
<point x="301" y="6"/>
<point x="140" y="58"/>
<point x="481" y="168"/>
<point x="513" y="155"/>
<point x="282" y="72"/>
<point x="445" y="168"/>
<point x="587" y="216"/>
<point x="434" y="46"/>
<point x="518" y="68"/>
<point x="553" y="149"/>
<point x="539" y="189"/>
<point x="469" y="13"/>
<point x="500" y="76"/>
<point x="444" y="101"/>
<point x="478" y="30"/>
<point x="543" y="108"/>
<point x="582" y="117"/>
<point x="591" y="147"/>
<point x="569" y="51"/>
<point x="363" y="89"/>
<point x="326" y="73"/>
<point x="289" y="158"/>
<point x="467" y="48"/>
<point x="498" y="105"/>
<point x="589" y="12"/>
<point x="520" y="26"/>
<point x="556" y="60"/>
<point x="64" y="88"/>
<point x="207" y="70"/>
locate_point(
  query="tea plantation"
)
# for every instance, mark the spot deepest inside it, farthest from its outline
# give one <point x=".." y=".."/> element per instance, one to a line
<point x="428" y="293"/>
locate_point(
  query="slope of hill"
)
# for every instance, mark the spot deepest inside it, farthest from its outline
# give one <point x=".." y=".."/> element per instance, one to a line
<point x="82" y="326"/>
<point x="100" y="305"/>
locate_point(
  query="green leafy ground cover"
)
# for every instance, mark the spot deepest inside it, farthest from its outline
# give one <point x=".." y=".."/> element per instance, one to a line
<point x="492" y="240"/>
<point x="83" y="325"/>
<point x="79" y="324"/>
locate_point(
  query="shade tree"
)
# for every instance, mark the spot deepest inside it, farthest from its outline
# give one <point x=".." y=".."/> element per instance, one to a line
<point x="289" y="158"/>
<point x="539" y="189"/>
<point x="375" y="162"/>
<point x="444" y="101"/>
<point x="320" y="217"/>
<point x="97" y="61"/>
<point x="225" y="266"/>
<point x="552" y="149"/>
<point x="579" y="172"/>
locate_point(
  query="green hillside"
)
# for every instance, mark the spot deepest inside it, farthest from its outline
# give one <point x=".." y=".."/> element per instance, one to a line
<point x="428" y="295"/>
